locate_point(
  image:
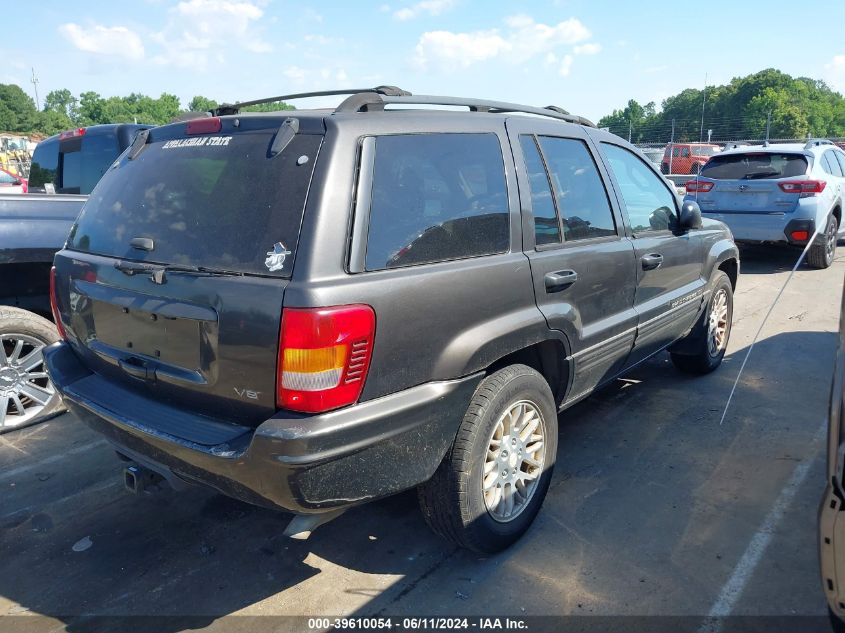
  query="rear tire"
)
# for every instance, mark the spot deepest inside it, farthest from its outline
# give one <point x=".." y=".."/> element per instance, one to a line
<point x="26" y="393"/>
<point x="821" y="255"/>
<point x="709" y="337"/>
<point x="478" y="498"/>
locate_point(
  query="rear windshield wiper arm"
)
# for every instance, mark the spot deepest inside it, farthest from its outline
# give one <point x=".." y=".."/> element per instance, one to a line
<point x="158" y="273"/>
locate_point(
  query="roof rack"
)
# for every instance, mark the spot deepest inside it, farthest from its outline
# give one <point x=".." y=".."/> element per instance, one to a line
<point x="234" y="108"/>
<point x="815" y="142"/>
<point x="371" y="100"/>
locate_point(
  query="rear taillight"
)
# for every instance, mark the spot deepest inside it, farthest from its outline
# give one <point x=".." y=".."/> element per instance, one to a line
<point x="209" y="125"/>
<point x="54" y="306"/>
<point x="698" y="186"/>
<point x="324" y="355"/>
<point x="800" y="236"/>
<point x="803" y="186"/>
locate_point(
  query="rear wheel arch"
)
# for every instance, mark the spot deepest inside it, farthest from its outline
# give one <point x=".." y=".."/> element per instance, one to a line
<point x="550" y="358"/>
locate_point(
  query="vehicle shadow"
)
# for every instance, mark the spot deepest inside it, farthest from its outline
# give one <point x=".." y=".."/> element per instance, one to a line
<point x="628" y="458"/>
<point x="763" y="259"/>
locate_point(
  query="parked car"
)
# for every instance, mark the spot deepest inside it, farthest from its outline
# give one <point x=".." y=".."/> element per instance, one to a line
<point x="831" y="519"/>
<point x="11" y="183"/>
<point x="778" y="193"/>
<point x="686" y="158"/>
<point x="314" y="309"/>
<point x="654" y="154"/>
<point x="32" y="228"/>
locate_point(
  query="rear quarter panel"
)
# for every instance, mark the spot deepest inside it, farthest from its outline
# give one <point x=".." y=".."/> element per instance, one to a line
<point x="433" y="321"/>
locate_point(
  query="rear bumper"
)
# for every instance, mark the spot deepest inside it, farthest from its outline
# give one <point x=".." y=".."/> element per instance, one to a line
<point x="302" y="463"/>
<point x="763" y="227"/>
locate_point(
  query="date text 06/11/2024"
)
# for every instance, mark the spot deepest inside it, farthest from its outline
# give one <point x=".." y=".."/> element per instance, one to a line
<point x="417" y="624"/>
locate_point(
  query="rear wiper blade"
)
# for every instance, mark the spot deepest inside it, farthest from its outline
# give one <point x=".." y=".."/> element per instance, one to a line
<point x="761" y="174"/>
<point x="158" y="273"/>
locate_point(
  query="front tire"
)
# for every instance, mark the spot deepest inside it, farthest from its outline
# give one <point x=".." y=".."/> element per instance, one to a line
<point x="821" y="255"/>
<point x="708" y="340"/>
<point x="492" y="482"/>
<point x="26" y="393"/>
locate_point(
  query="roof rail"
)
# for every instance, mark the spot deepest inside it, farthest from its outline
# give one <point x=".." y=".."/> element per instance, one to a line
<point x="815" y="142"/>
<point x="234" y="108"/>
<point x="371" y="100"/>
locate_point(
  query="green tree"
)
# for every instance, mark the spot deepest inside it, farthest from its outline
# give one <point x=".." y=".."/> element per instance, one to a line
<point x="52" y="122"/>
<point x="62" y="102"/>
<point x="201" y="104"/>
<point x="17" y="109"/>
<point x="91" y="107"/>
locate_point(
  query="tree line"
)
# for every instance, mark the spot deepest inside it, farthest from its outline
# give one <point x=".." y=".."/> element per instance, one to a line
<point x="788" y="107"/>
<point x="62" y="110"/>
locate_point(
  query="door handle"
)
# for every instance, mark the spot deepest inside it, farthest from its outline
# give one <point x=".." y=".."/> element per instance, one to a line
<point x="136" y="370"/>
<point x="652" y="261"/>
<point x="560" y="280"/>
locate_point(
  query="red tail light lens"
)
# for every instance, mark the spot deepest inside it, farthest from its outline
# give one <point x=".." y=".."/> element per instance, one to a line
<point x="54" y="306"/>
<point x="209" y="125"/>
<point x="698" y="186"/>
<point x="800" y="236"/>
<point x="324" y="356"/>
<point x="803" y="186"/>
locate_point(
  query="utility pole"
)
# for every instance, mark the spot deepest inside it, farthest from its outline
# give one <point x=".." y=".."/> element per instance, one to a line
<point x="630" y="128"/>
<point x="768" y="125"/>
<point x="703" y="102"/>
<point x="34" y="81"/>
<point x="671" y="146"/>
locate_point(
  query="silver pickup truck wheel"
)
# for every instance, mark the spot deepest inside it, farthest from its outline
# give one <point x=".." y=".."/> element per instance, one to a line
<point x="26" y="393"/>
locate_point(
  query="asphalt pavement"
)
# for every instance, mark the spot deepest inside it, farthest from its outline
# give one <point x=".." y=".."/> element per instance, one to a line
<point x="655" y="509"/>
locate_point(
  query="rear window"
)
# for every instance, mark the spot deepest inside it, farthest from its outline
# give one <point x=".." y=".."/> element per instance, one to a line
<point x="98" y="152"/>
<point x="218" y="202"/>
<point x="704" y="151"/>
<point x="436" y="197"/>
<point x="45" y="162"/>
<point x="754" y="166"/>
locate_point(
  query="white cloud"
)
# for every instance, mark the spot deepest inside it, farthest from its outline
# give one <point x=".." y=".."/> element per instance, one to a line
<point x="198" y="29"/>
<point x="429" y="7"/>
<point x="590" y="48"/>
<point x="295" y="73"/>
<point x="565" y="65"/>
<point x="835" y="73"/>
<point x="114" y="41"/>
<point x="523" y="39"/>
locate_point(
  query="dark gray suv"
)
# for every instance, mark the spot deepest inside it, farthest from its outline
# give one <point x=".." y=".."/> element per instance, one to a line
<point x="314" y="309"/>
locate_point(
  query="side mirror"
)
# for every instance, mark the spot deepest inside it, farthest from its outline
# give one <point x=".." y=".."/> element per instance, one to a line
<point x="690" y="215"/>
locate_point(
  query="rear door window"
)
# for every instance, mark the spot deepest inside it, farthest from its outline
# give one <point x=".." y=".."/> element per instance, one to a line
<point x="834" y="168"/>
<point x="546" y="226"/>
<point x="581" y="197"/>
<point x="70" y="166"/>
<point x="436" y="197"/>
<point x="219" y="201"/>
<point x="755" y="166"/>
<point x="44" y="168"/>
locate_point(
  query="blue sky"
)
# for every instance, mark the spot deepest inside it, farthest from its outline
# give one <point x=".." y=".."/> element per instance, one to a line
<point x="588" y="56"/>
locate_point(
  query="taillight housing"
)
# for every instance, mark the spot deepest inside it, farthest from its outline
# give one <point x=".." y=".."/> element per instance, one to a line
<point x="324" y="356"/>
<point x="54" y="306"/>
<point x="699" y="186"/>
<point x="811" y="187"/>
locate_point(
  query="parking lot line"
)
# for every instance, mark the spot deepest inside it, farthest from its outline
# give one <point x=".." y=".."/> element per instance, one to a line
<point x="744" y="569"/>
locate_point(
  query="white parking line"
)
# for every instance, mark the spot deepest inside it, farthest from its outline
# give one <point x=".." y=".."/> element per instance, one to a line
<point x="744" y="570"/>
<point x="14" y="472"/>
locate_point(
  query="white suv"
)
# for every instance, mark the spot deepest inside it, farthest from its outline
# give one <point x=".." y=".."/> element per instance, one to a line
<point x="777" y="193"/>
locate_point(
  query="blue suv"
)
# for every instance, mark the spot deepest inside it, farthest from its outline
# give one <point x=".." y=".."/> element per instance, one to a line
<point x="777" y="193"/>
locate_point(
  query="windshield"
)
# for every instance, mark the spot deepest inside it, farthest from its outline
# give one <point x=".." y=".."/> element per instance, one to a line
<point x="213" y="201"/>
<point x="755" y="166"/>
<point x="704" y="151"/>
